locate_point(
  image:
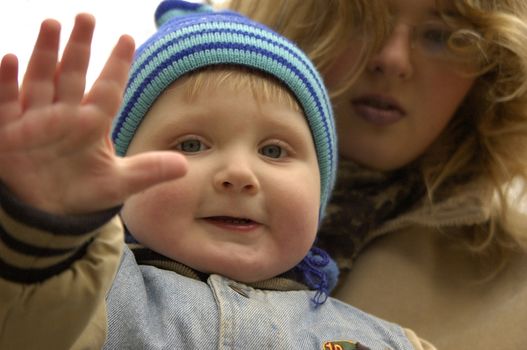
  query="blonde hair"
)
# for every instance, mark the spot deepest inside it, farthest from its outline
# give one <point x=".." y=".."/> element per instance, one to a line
<point x="486" y="142"/>
<point x="264" y="87"/>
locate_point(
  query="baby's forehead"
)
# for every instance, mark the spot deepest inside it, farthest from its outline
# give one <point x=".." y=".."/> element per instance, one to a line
<point x="263" y="87"/>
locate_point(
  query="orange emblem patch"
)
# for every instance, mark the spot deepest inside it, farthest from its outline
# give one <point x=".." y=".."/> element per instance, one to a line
<point x="343" y="345"/>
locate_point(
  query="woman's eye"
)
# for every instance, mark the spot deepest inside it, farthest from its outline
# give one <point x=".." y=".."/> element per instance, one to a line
<point x="437" y="36"/>
<point x="434" y="38"/>
<point x="272" y="151"/>
<point x="191" y="146"/>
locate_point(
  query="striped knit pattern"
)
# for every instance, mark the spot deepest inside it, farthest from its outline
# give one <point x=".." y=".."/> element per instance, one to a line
<point x="201" y="38"/>
<point x="35" y="245"/>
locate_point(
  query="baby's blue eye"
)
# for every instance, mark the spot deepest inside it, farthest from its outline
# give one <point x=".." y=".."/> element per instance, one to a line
<point x="191" y="146"/>
<point x="272" y="151"/>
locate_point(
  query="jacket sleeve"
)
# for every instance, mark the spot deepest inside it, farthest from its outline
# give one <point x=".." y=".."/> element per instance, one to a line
<point x="54" y="276"/>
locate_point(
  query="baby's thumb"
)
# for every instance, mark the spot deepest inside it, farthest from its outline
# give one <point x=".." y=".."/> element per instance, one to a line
<point x="145" y="170"/>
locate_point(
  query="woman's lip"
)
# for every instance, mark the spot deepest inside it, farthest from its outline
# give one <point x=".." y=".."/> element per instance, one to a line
<point x="378" y="110"/>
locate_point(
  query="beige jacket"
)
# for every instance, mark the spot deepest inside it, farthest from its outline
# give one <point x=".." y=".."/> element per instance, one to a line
<point x="413" y="274"/>
<point x="66" y="311"/>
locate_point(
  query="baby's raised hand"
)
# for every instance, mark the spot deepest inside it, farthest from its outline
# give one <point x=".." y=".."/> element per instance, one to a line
<point x="55" y="151"/>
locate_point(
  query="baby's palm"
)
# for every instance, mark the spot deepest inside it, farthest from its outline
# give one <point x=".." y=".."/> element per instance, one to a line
<point x="55" y="153"/>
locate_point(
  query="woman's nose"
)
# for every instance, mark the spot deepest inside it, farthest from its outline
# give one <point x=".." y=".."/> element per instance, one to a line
<point x="237" y="176"/>
<point x="394" y="57"/>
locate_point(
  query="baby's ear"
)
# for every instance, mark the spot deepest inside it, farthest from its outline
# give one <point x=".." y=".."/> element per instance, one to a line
<point x="170" y="9"/>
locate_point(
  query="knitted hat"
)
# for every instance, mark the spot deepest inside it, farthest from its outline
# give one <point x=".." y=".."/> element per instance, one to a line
<point x="191" y="36"/>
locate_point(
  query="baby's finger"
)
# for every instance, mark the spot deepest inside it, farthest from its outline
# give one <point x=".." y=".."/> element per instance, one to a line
<point x="71" y="75"/>
<point x="38" y="85"/>
<point x="142" y="171"/>
<point x="107" y="90"/>
<point x="9" y="106"/>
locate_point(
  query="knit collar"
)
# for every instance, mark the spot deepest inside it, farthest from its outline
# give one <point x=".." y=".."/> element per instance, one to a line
<point x="363" y="200"/>
<point x="367" y="204"/>
<point x="146" y="256"/>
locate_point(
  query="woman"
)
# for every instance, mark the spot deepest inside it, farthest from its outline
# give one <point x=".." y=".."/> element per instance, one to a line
<point x="431" y="105"/>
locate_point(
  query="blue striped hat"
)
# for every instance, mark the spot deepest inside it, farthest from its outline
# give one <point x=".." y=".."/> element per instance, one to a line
<point x="191" y="36"/>
<point x="203" y="38"/>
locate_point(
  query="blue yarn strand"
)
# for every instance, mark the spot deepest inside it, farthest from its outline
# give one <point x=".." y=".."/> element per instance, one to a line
<point x="312" y="270"/>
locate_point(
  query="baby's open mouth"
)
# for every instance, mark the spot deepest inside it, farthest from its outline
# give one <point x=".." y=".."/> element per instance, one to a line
<point x="230" y="220"/>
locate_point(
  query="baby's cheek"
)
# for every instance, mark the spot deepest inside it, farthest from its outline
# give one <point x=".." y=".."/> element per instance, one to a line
<point x="300" y="214"/>
<point x="149" y="208"/>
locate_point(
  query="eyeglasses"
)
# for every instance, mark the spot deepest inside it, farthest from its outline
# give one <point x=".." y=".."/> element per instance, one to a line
<point x="440" y="41"/>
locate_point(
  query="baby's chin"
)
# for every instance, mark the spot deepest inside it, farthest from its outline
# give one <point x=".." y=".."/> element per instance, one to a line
<point x="245" y="274"/>
<point x="234" y="261"/>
